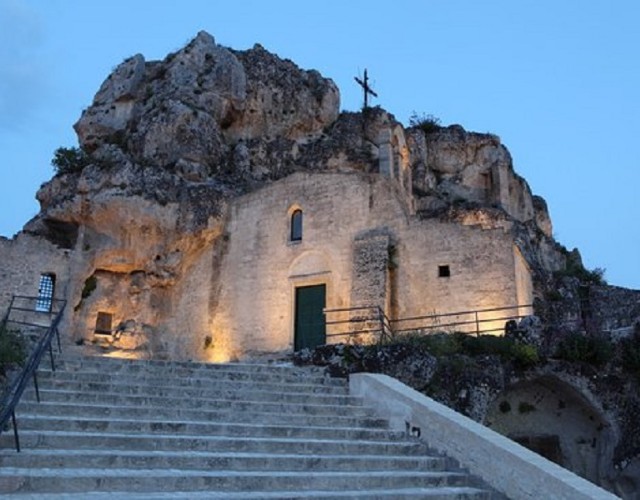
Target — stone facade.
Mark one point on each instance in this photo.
(362, 242)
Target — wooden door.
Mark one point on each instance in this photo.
(310, 329)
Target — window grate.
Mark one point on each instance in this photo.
(44, 301)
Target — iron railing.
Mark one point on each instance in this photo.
(20, 313)
(365, 323)
(479, 321)
(358, 322)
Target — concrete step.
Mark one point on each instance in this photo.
(233, 371)
(436, 493)
(118, 399)
(136, 459)
(284, 393)
(119, 480)
(47, 378)
(109, 428)
(191, 442)
(173, 413)
(206, 428)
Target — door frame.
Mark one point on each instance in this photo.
(295, 309)
(322, 278)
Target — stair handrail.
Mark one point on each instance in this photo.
(13, 393)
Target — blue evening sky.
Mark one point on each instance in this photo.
(558, 81)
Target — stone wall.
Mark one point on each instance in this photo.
(24, 259)
(352, 224)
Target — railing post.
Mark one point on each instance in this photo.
(35, 385)
(53, 365)
(477, 324)
(381, 320)
(15, 430)
(58, 339)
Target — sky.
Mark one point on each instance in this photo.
(557, 81)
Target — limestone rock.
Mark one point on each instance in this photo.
(543, 220)
(472, 167)
(282, 100)
(194, 105)
(113, 105)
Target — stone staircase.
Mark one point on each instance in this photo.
(109, 428)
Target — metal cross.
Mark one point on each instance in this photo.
(364, 83)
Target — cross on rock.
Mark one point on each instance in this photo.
(364, 83)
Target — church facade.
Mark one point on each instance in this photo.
(341, 241)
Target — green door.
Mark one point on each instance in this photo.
(309, 317)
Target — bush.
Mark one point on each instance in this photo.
(427, 123)
(525, 356)
(580, 348)
(436, 344)
(447, 344)
(575, 269)
(69, 160)
(12, 349)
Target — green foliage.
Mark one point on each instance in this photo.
(90, 285)
(553, 296)
(12, 349)
(525, 355)
(522, 355)
(487, 345)
(593, 277)
(69, 160)
(581, 348)
(575, 269)
(447, 344)
(427, 123)
(437, 344)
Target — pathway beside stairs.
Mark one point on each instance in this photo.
(110, 428)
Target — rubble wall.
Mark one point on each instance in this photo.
(24, 259)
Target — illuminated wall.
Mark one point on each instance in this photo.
(262, 267)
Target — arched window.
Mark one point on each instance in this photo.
(296, 225)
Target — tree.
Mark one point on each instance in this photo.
(69, 160)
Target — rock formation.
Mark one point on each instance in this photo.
(168, 145)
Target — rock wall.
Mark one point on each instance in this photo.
(452, 165)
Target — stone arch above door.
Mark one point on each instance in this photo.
(309, 264)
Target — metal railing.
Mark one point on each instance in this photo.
(365, 323)
(20, 313)
(479, 321)
(358, 323)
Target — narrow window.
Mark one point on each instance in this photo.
(296, 225)
(45, 292)
(103, 323)
(444, 272)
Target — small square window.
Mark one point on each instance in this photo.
(444, 272)
(104, 322)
